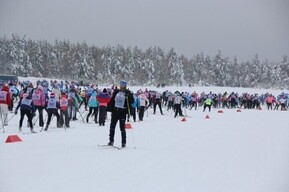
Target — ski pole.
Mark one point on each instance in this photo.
(36, 120)
(80, 115)
(3, 125)
(185, 111)
(62, 113)
(11, 117)
(146, 108)
(128, 109)
(133, 139)
(1, 116)
(64, 119)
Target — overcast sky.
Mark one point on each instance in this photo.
(239, 28)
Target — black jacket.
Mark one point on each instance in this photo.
(128, 101)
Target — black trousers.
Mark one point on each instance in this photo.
(178, 110)
(64, 120)
(205, 106)
(40, 117)
(118, 115)
(50, 113)
(133, 113)
(141, 112)
(160, 106)
(102, 115)
(95, 113)
(29, 115)
(72, 110)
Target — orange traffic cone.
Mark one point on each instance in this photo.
(127, 126)
(238, 110)
(184, 119)
(12, 139)
(207, 117)
(220, 111)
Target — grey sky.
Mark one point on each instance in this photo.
(239, 28)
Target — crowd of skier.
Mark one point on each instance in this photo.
(65, 99)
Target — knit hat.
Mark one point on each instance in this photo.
(122, 83)
(40, 87)
(5, 88)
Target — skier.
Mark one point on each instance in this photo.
(27, 108)
(39, 100)
(143, 102)
(63, 103)
(93, 106)
(157, 100)
(177, 104)
(72, 104)
(5, 103)
(103, 98)
(119, 105)
(52, 107)
(269, 101)
(134, 107)
(208, 103)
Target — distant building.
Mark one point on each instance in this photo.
(8, 78)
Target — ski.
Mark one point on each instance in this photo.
(111, 146)
(26, 133)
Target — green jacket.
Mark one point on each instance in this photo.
(208, 101)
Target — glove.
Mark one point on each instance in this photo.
(15, 112)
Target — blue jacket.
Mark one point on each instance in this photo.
(26, 104)
(136, 101)
(92, 102)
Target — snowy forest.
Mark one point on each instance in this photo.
(153, 66)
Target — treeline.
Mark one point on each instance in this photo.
(153, 66)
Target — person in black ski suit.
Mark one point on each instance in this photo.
(27, 108)
(157, 100)
(119, 106)
(52, 106)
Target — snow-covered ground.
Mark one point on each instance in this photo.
(245, 151)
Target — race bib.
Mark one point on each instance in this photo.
(3, 95)
(26, 102)
(92, 99)
(51, 104)
(63, 103)
(120, 100)
(71, 95)
(36, 97)
(177, 100)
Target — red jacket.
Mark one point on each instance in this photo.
(63, 102)
(5, 97)
(103, 99)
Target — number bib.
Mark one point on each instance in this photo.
(158, 96)
(36, 97)
(26, 102)
(51, 104)
(119, 100)
(3, 95)
(29, 89)
(71, 95)
(63, 102)
(177, 100)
